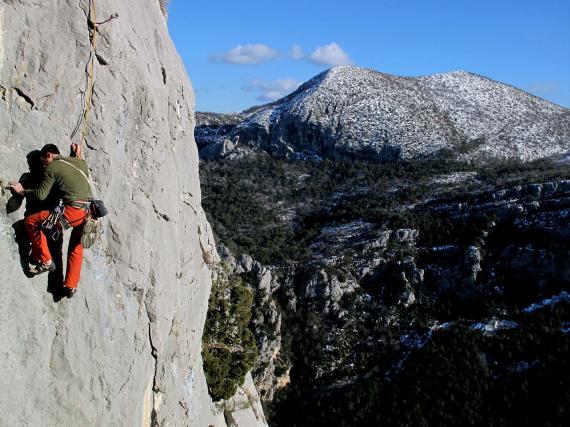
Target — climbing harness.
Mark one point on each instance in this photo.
(55, 222)
(87, 94)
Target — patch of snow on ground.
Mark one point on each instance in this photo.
(442, 248)
(494, 325)
(524, 365)
(437, 326)
(415, 341)
(454, 178)
(563, 296)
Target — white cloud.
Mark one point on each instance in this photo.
(246, 54)
(330, 54)
(297, 52)
(272, 90)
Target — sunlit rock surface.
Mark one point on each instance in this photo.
(126, 349)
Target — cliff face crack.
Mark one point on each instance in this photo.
(191, 207)
(25, 97)
(154, 354)
(186, 199)
(155, 389)
(128, 378)
(101, 60)
(160, 214)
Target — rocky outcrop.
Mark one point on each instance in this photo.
(126, 349)
(266, 321)
(218, 119)
(359, 113)
(368, 288)
(244, 408)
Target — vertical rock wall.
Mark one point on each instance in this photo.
(126, 349)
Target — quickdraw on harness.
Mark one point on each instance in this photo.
(56, 222)
(52, 224)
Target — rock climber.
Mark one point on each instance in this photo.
(70, 173)
(29, 180)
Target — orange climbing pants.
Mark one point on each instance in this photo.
(40, 251)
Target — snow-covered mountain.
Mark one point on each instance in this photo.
(356, 112)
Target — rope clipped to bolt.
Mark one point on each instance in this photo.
(87, 95)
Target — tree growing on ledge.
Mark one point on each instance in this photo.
(228, 346)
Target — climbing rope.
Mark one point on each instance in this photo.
(87, 95)
(90, 69)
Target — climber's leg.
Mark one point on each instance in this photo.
(33, 225)
(75, 217)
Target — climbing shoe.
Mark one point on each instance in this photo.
(42, 267)
(69, 292)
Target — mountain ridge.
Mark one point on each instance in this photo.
(356, 112)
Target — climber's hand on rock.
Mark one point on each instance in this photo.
(75, 150)
(16, 187)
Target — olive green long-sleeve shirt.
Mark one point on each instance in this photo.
(75, 186)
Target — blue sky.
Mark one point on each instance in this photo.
(244, 53)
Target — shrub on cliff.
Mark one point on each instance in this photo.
(228, 349)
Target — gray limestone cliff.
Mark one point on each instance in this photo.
(126, 350)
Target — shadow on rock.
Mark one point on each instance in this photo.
(55, 278)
